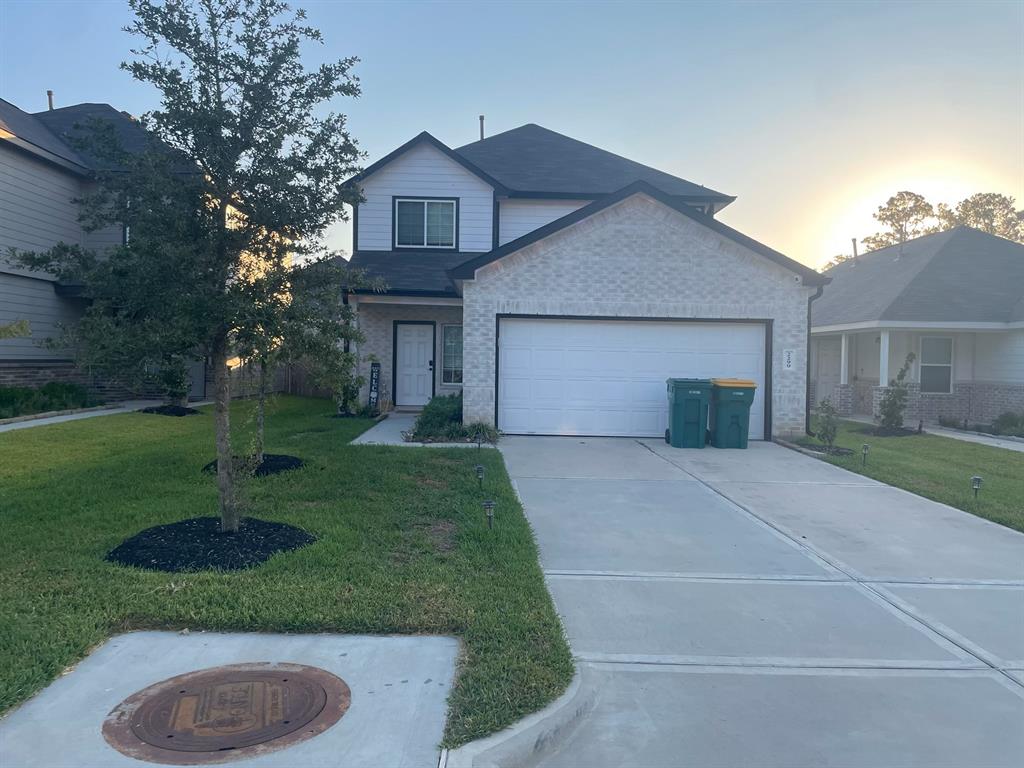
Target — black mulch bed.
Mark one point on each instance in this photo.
(170, 410)
(272, 464)
(197, 544)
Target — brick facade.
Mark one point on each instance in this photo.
(638, 259)
(35, 374)
(978, 402)
(377, 322)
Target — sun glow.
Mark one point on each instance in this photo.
(850, 212)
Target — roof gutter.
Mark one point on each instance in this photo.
(807, 363)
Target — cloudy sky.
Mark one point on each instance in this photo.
(810, 113)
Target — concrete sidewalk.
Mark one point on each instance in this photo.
(389, 431)
(763, 608)
(126, 406)
(399, 688)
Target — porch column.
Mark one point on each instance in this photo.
(844, 361)
(883, 359)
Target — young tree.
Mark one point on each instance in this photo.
(827, 423)
(894, 399)
(988, 211)
(238, 102)
(905, 215)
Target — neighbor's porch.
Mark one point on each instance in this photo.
(853, 369)
(417, 341)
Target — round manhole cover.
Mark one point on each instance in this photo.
(226, 713)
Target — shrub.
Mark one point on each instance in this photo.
(441, 421)
(827, 423)
(55, 396)
(894, 401)
(1009, 423)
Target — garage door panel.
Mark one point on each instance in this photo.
(583, 377)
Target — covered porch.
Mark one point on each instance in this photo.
(417, 344)
(946, 377)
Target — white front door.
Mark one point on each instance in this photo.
(829, 361)
(414, 363)
(598, 377)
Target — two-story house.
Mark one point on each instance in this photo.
(559, 285)
(42, 174)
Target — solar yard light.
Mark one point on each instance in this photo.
(976, 484)
(864, 454)
(489, 509)
(478, 438)
(480, 474)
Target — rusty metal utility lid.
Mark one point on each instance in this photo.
(227, 713)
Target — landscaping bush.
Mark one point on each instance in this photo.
(894, 401)
(827, 424)
(1009, 423)
(441, 421)
(55, 396)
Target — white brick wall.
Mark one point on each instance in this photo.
(638, 259)
(377, 322)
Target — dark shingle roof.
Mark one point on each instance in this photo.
(533, 159)
(52, 133)
(411, 272)
(30, 130)
(962, 275)
(70, 123)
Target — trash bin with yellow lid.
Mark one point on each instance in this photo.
(729, 414)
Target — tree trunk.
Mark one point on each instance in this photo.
(222, 417)
(261, 408)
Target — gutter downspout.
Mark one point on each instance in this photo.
(807, 362)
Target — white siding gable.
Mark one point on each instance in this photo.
(425, 171)
(520, 217)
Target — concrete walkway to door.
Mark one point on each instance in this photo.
(762, 608)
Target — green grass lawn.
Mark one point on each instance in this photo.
(940, 468)
(403, 548)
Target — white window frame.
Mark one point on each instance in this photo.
(921, 364)
(452, 201)
(443, 366)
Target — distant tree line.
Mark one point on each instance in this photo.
(907, 215)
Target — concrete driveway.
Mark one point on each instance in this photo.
(763, 608)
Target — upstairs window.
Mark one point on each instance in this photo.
(425, 223)
(937, 364)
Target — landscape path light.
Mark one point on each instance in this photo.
(864, 454)
(976, 484)
(489, 509)
(480, 474)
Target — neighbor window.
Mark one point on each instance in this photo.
(424, 223)
(451, 354)
(937, 364)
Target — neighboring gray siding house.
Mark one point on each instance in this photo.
(41, 176)
(558, 285)
(955, 299)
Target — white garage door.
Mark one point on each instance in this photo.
(607, 377)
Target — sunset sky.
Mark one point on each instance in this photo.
(811, 113)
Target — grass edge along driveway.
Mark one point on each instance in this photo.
(938, 468)
(403, 548)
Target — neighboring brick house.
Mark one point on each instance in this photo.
(955, 299)
(559, 285)
(41, 177)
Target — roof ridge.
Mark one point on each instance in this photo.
(587, 144)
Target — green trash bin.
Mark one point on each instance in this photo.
(730, 412)
(687, 412)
